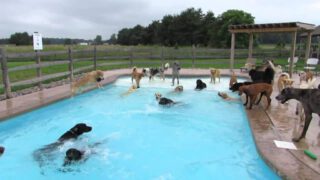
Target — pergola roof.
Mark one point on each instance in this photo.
(316, 32)
(271, 27)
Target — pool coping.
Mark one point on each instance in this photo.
(284, 162)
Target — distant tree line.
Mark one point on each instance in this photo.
(190, 27)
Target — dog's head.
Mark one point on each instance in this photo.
(178, 89)
(81, 128)
(199, 82)
(223, 95)
(242, 89)
(73, 154)
(235, 87)
(285, 95)
(99, 75)
(1, 150)
(146, 71)
(158, 96)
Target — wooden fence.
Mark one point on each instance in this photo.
(124, 57)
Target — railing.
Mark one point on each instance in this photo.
(125, 57)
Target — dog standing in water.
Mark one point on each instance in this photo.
(175, 72)
(137, 76)
(215, 73)
(89, 78)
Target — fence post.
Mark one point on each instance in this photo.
(5, 75)
(39, 73)
(70, 64)
(193, 55)
(162, 56)
(95, 57)
(131, 57)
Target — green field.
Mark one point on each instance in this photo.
(107, 50)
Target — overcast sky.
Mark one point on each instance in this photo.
(88, 18)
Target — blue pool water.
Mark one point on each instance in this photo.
(203, 137)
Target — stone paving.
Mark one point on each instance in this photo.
(276, 123)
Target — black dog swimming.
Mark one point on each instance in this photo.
(73, 155)
(310, 100)
(200, 85)
(163, 100)
(44, 154)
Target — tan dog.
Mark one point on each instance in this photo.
(87, 79)
(215, 73)
(306, 76)
(253, 90)
(137, 76)
(225, 96)
(284, 81)
(233, 79)
(132, 89)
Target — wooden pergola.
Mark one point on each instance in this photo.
(291, 27)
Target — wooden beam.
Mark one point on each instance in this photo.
(250, 45)
(293, 49)
(307, 54)
(5, 75)
(263, 30)
(233, 39)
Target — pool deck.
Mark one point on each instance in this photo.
(276, 123)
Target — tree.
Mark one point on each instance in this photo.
(20, 39)
(113, 39)
(67, 41)
(232, 17)
(98, 40)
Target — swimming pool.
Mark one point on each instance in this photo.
(202, 137)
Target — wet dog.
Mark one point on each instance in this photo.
(137, 76)
(178, 89)
(72, 155)
(215, 73)
(200, 85)
(151, 72)
(89, 78)
(310, 100)
(233, 80)
(163, 100)
(74, 132)
(45, 154)
(284, 81)
(253, 90)
(1, 150)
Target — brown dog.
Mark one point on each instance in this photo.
(215, 73)
(233, 80)
(284, 81)
(88, 78)
(137, 76)
(254, 90)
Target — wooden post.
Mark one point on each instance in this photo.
(193, 55)
(70, 64)
(293, 49)
(131, 57)
(5, 75)
(95, 57)
(308, 45)
(39, 73)
(233, 38)
(250, 45)
(162, 57)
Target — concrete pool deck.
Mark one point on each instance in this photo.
(276, 123)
